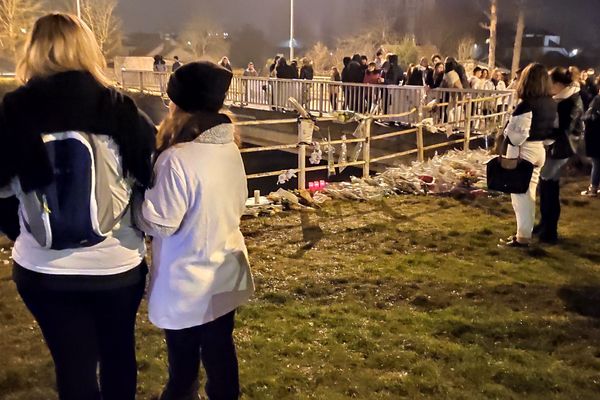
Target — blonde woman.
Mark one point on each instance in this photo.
(73, 150)
(200, 272)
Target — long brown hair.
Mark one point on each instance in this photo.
(534, 82)
(182, 127)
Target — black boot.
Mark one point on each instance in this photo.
(545, 208)
(549, 232)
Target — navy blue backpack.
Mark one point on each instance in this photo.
(65, 214)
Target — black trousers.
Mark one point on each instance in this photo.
(87, 329)
(211, 343)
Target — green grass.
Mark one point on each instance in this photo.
(408, 298)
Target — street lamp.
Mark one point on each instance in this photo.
(291, 30)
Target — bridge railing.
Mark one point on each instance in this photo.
(324, 97)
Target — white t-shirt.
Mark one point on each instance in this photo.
(201, 272)
(122, 250)
(474, 82)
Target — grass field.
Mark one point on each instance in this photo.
(408, 298)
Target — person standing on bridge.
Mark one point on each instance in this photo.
(225, 63)
(249, 86)
(201, 273)
(334, 89)
(307, 72)
(392, 77)
(176, 64)
(355, 74)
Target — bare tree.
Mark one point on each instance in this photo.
(465, 48)
(516, 61)
(100, 16)
(16, 18)
(492, 27)
(321, 57)
(382, 28)
(204, 37)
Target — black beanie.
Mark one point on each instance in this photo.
(199, 86)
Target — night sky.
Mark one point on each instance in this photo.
(578, 21)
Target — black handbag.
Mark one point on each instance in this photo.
(509, 175)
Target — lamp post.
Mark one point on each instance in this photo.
(291, 30)
(79, 9)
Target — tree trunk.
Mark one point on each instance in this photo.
(493, 33)
(516, 61)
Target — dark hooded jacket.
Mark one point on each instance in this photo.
(394, 73)
(592, 129)
(354, 72)
(570, 123)
(307, 72)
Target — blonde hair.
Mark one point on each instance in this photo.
(58, 43)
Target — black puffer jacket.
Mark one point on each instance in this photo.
(543, 110)
(592, 129)
(570, 123)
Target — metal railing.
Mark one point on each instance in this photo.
(324, 97)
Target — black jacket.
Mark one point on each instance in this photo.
(543, 110)
(70, 101)
(592, 129)
(417, 77)
(430, 77)
(393, 74)
(353, 73)
(588, 93)
(570, 111)
(307, 73)
(286, 72)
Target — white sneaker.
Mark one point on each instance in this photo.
(590, 192)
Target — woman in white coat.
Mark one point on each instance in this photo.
(200, 272)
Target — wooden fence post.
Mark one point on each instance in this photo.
(468, 120)
(420, 143)
(141, 81)
(302, 167)
(367, 149)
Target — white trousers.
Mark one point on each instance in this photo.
(524, 204)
